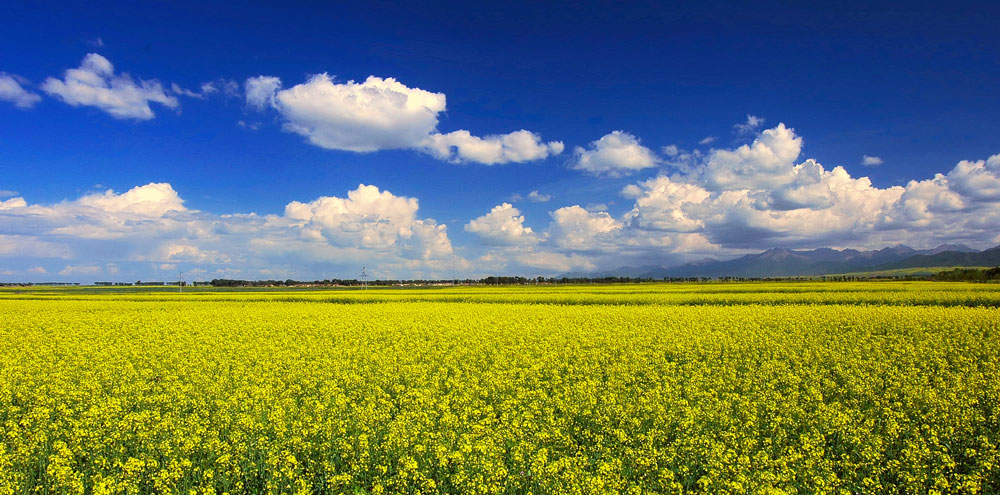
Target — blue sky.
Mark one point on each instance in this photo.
(140, 139)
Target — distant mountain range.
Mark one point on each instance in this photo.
(778, 262)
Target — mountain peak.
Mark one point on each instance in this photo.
(960, 248)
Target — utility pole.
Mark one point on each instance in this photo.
(364, 278)
(180, 281)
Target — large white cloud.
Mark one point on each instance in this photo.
(765, 163)
(152, 200)
(756, 196)
(374, 115)
(95, 84)
(614, 155)
(575, 228)
(117, 235)
(11, 90)
(371, 219)
(502, 226)
(381, 114)
(979, 180)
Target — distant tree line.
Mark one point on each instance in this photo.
(973, 275)
(956, 275)
(969, 275)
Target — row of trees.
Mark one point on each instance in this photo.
(969, 275)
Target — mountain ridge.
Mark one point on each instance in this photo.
(784, 262)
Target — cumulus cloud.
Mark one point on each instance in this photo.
(373, 115)
(753, 197)
(150, 226)
(871, 161)
(765, 163)
(977, 180)
(11, 90)
(371, 219)
(12, 203)
(759, 196)
(150, 200)
(95, 84)
(502, 226)
(576, 228)
(756, 196)
(518, 146)
(614, 155)
(381, 114)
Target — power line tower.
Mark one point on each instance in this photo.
(180, 281)
(364, 278)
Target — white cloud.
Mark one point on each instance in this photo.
(149, 226)
(74, 270)
(533, 196)
(978, 180)
(765, 163)
(614, 155)
(12, 203)
(260, 91)
(205, 90)
(502, 226)
(756, 196)
(150, 200)
(371, 219)
(537, 197)
(6, 193)
(752, 124)
(382, 114)
(11, 90)
(518, 146)
(787, 201)
(187, 252)
(575, 228)
(38, 269)
(871, 161)
(662, 204)
(707, 140)
(374, 115)
(94, 83)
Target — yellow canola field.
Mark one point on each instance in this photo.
(230, 393)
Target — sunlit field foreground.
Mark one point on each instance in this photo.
(675, 388)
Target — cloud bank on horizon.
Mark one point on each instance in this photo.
(755, 196)
(717, 202)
